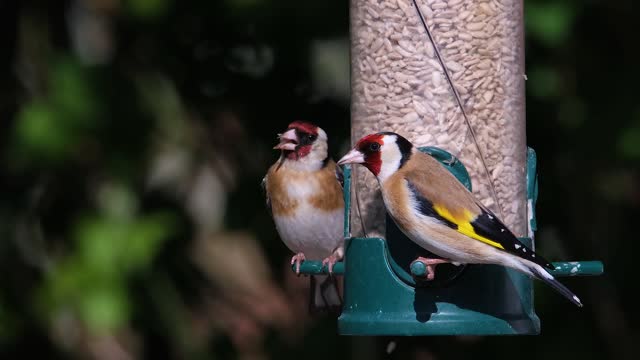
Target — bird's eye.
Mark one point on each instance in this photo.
(306, 139)
(374, 146)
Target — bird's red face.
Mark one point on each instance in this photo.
(383, 153)
(297, 142)
(366, 152)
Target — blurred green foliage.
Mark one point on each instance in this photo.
(544, 82)
(147, 9)
(629, 140)
(110, 247)
(550, 21)
(50, 128)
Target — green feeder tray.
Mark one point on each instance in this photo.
(383, 297)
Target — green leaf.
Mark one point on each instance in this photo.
(39, 132)
(550, 23)
(105, 307)
(543, 82)
(99, 243)
(72, 94)
(147, 9)
(113, 246)
(629, 142)
(145, 239)
(51, 128)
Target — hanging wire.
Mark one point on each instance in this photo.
(460, 105)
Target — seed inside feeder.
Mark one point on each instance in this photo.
(398, 84)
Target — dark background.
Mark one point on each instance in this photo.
(135, 134)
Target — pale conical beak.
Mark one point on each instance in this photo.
(353, 157)
(288, 141)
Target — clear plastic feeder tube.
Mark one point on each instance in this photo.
(399, 84)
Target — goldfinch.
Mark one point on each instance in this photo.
(433, 209)
(304, 193)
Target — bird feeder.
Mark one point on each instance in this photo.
(384, 296)
(450, 74)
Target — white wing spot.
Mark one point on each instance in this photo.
(490, 217)
(524, 250)
(533, 255)
(501, 230)
(517, 246)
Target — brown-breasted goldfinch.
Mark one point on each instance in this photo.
(304, 193)
(437, 212)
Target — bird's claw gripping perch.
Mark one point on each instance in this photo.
(297, 259)
(430, 264)
(329, 262)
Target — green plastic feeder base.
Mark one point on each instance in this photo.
(380, 303)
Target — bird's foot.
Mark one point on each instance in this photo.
(330, 261)
(298, 259)
(430, 264)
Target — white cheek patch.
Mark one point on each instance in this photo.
(390, 156)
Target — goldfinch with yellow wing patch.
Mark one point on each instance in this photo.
(433, 209)
(304, 193)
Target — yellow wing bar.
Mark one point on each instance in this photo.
(464, 225)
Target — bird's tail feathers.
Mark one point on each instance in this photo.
(543, 275)
(325, 295)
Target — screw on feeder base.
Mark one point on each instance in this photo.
(418, 269)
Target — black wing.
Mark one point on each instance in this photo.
(489, 226)
(425, 207)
